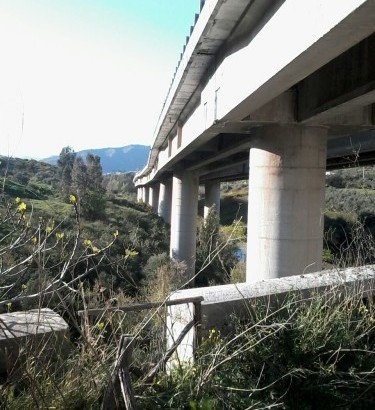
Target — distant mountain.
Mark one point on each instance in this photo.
(123, 159)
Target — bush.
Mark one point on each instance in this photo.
(348, 241)
(162, 277)
(315, 353)
(216, 246)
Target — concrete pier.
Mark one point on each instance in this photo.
(286, 202)
(154, 197)
(150, 195)
(145, 194)
(212, 197)
(164, 200)
(139, 194)
(184, 219)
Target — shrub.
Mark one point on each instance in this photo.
(162, 277)
(216, 246)
(306, 354)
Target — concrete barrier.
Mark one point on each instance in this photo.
(220, 303)
(39, 332)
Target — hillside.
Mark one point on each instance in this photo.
(349, 214)
(349, 217)
(36, 209)
(129, 158)
(122, 259)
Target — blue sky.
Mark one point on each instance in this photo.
(86, 73)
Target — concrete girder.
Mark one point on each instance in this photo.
(347, 77)
(320, 43)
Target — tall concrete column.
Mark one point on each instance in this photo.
(139, 194)
(286, 202)
(150, 195)
(211, 197)
(184, 219)
(153, 194)
(165, 199)
(145, 194)
(154, 197)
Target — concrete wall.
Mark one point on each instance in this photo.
(42, 331)
(221, 302)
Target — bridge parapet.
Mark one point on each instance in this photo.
(221, 303)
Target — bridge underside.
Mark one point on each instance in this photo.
(313, 114)
(339, 96)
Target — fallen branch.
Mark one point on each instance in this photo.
(120, 382)
(169, 353)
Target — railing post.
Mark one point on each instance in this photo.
(197, 323)
(120, 383)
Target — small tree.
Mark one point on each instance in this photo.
(94, 199)
(79, 177)
(215, 250)
(39, 259)
(64, 169)
(86, 181)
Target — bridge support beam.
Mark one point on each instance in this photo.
(184, 219)
(139, 194)
(145, 195)
(164, 200)
(212, 197)
(154, 197)
(150, 195)
(286, 202)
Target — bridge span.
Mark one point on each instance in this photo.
(276, 91)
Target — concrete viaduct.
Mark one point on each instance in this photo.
(273, 91)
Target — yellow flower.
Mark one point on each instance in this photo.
(115, 234)
(33, 240)
(72, 199)
(212, 334)
(129, 253)
(48, 229)
(95, 249)
(59, 236)
(87, 243)
(17, 200)
(100, 326)
(24, 287)
(21, 207)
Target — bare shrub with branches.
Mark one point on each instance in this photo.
(305, 353)
(38, 259)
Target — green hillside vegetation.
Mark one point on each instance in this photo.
(349, 221)
(48, 212)
(349, 216)
(68, 246)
